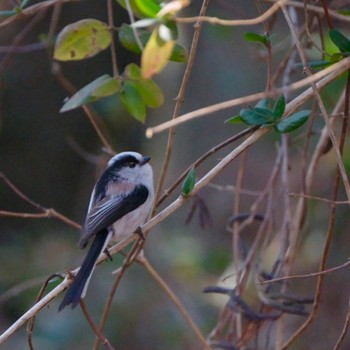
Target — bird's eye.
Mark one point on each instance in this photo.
(132, 165)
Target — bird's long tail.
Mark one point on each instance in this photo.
(78, 288)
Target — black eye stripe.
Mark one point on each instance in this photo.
(123, 162)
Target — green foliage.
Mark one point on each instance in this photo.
(142, 8)
(81, 40)
(340, 40)
(151, 95)
(135, 92)
(189, 183)
(156, 54)
(134, 88)
(265, 116)
(133, 102)
(293, 122)
(257, 38)
(279, 107)
(127, 39)
(101, 87)
(16, 10)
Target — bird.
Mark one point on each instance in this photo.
(120, 203)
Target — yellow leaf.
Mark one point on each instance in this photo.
(82, 39)
(156, 54)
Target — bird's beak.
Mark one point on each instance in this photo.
(144, 160)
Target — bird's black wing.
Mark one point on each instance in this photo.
(110, 209)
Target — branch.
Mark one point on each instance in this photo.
(235, 22)
(31, 11)
(327, 75)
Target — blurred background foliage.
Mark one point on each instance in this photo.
(41, 153)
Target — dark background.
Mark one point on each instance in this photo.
(39, 153)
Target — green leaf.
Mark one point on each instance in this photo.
(234, 120)
(149, 8)
(257, 116)
(293, 122)
(132, 101)
(127, 39)
(340, 40)
(317, 64)
(253, 37)
(156, 55)
(344, 12)
(264, 103)
(81, 40)
(336, 57)
(151, 94)
(189, 183)
(101, 87)
(279, 107)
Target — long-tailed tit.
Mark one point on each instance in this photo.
(120, 202)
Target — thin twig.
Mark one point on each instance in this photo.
(179, 102)
(113, 48)
(132, 20)
(341, 146)
(234, 22)
(318, 9)
(31, 11)
(340, 173)
(201, 159)
(325, 200)
(127, 261)
(104, 341)
(146, 264)
(46, 212)
(307, 275)
(87, 109)
(31, 322)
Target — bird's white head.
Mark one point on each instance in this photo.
(132, 167)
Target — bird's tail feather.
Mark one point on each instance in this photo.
(78, 287)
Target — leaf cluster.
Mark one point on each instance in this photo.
(157, 46)
(264, 115)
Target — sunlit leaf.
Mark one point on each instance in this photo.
(82, 39)
(155, 55)
(189, 183)
(257, 38)
(340, 40)
(234, 120)
(149, 8)
(133, 102)
(133, 6)
(127, 39)
(279, 107)
(293, 122)
(101, 87)
(336, 57)
(151, 94)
